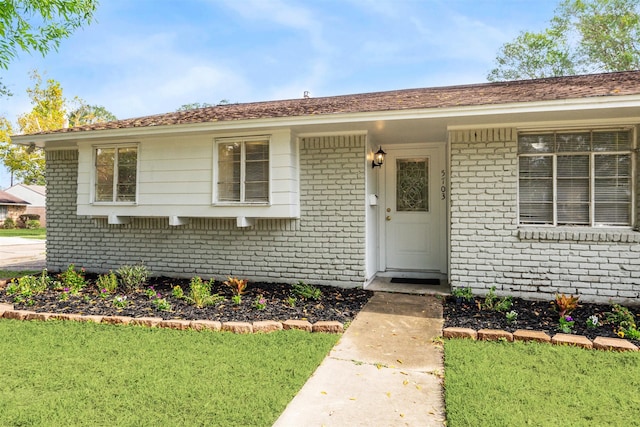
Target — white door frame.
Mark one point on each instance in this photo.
(444, 217)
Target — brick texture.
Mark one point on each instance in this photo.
(488, 248)
(325, 246)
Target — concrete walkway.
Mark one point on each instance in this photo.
(386, 370)
(18, 253)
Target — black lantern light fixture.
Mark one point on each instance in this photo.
(378, 158)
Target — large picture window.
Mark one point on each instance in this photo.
(576, 178)
(243, 171)
(116, 174)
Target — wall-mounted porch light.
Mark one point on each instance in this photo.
(378, 158)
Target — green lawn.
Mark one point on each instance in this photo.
(77, 374)
(38, 233)
(531, 384)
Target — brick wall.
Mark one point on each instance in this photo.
(325, 246)
(489, 249)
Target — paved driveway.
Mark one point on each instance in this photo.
(18, 253)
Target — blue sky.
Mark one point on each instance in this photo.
(145, 57)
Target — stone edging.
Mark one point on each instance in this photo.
(600, 343)
(7, 312)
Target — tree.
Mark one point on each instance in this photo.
(85, 114)
(584, 36)
(196, 105)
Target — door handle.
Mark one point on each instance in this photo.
(388, 218)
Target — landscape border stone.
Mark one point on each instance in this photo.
(599, 343)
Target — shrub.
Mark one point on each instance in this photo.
(108, 282)
(132, 277)
(237, 286)
(32, 224)
(72, 279)
(9, 224)
(306, 291)
(25, 287)
(200, 293)
(565, 304)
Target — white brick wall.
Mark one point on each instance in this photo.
(489, 249)
(325, 246)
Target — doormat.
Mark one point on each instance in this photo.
(409, 281)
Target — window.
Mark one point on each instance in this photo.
(116, 174)
(243, 171)
(4, 212)
(575, 178)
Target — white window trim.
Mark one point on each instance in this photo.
(92, 192)
(242, 140)
(633, 154)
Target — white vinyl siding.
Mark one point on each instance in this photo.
(576, 178)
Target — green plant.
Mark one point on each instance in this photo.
(132, 277)
(260, 302)
(564, 304)
(237, 286)
(593, 322)
(9, 224)
(104, 293)
(32, 224)
(291, 301)
(151, 292)
(236, 299)
(27, 286)
(511, 316)
(303, 290)
(492, 302)
(72, 279)
(565, 324)
(120, 301)
(463, 294)
(161, 304)
(108, 282)
(624, 320)
(177, 292)
(200, 293)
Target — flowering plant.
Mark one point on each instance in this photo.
(511, 316)
(593, 321)
(566, 324)
(120, 301)
(260, 303)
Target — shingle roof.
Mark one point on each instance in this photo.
(549, 89)
(8, 199)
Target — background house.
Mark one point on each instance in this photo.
(36, 196)
(528, 186)
(11, 207)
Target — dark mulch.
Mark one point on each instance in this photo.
(534, 315)
(335, 303)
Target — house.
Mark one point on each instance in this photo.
(11, 207)
(36, 195)
(529, 186)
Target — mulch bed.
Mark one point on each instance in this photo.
(337, 304)
(533, 315)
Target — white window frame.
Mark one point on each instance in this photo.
(592, 154)
(114, 200)
(242, 141)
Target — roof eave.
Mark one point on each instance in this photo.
(573, 104)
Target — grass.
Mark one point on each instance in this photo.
(9, 274)
(77, 374)
(522, 384)
(38, 233)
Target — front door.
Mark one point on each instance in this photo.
(415, 209)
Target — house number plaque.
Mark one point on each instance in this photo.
(443, 186)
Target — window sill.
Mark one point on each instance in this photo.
(581, 234)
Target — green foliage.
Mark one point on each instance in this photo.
(593, 322)
(236, 299)
(177, 292)
(32, 224)
(23, 288)
(290, 301)
(200, 294)
(584, 36)
(564, 304)
(85, 114)
(161, 304)
(9, 224)
(565, 324)
(464, 293)
(72, 279)
(260, 303)
(511, 316)
(305, 291)
(108, 282)
(624, 319)
(132, 277)
(120, 301)
(39, 26)
(492, 302)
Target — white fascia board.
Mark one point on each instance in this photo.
(602, 102)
